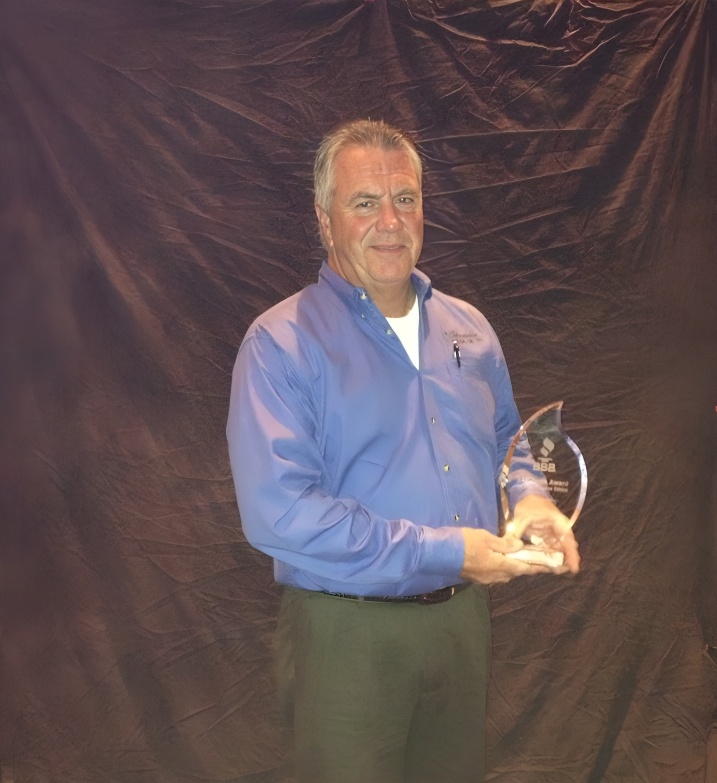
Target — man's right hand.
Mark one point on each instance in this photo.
(485, 558)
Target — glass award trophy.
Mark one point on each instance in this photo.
(543, 453)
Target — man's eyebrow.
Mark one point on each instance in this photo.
(364, 194)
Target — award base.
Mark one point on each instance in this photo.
(533, 555)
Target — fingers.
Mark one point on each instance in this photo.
(503, 545)
(570, 549)
(510, 568)
(567, 543)
(557, 534)
(485, 558)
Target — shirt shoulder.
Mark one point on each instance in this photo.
(305, 315)
(292, 338)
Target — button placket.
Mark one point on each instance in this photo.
(448, 477)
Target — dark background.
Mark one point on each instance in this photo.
(155, 191)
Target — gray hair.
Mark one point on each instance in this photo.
(358, 133)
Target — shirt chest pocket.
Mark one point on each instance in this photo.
(474, 400)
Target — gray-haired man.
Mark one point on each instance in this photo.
(365, 455)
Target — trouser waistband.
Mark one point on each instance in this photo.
(435, 597)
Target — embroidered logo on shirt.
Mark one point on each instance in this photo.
(466, 337)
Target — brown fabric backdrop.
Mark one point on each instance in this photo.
(155, 163)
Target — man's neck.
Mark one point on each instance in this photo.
(397, 305)
(393, 300)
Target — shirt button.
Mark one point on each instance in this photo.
(388, 331)
(363, 295)
(433, 421)
(362, 315)
(446, 468)
(456, 517)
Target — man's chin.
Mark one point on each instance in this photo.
(392, 277)
(389, 267)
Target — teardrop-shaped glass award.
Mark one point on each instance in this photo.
(544, 453)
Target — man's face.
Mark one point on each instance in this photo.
(374, 227)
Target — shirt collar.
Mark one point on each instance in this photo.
(350, 294)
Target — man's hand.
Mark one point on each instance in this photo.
(485, 561)
(535, 515)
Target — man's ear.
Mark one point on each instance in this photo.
(324, 226)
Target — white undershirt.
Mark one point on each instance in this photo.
(406, 329)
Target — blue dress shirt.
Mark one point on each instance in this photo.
(354, 470)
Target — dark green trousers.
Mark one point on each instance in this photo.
(384, 692)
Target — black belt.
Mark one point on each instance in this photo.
(436, 597)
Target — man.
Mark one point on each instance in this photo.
(365, 452)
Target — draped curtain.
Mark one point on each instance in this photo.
(156, 196)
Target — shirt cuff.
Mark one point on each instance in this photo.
(441, 552)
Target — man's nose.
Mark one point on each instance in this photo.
(388, 219)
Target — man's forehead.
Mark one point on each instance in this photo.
(361, 169)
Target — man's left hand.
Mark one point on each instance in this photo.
(535, 515)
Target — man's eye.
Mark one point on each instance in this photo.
(364, 204)
(405, 200)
